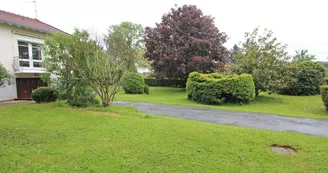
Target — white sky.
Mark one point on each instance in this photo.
(302, 24)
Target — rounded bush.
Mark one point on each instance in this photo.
(324, 95)
(83, 97)
(204, 88)
(146, 89)
(306, 79)
(133, 83)
(44, 94)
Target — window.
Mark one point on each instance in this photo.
(36, 52)
(23, 50)
(37, 64)
(29, 54)
(24, 63)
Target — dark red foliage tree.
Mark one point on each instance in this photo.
(185, 41)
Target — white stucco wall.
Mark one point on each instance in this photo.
(7, 92)
(9, 50)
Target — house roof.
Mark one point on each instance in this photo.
(26, 22)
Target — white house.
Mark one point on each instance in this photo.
(20, 53)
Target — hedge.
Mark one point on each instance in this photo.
(306, 78)
(133, 83)
(44, 94)
(165, 82)
(217, 88)
(324, 95)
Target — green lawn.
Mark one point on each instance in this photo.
(297, 106)
(47, 138)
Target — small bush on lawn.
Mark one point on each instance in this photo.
(133, 83)
(146, 89)
(306, 78)
(44, 94)
(83, 97)
(218, 89)
(324, 95)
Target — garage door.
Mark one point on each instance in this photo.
(25, 86)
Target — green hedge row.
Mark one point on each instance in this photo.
(165, 82)
(217, 89)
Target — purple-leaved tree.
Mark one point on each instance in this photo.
(185, 41)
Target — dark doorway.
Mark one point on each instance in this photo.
(25, 86)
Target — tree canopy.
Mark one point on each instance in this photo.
(80, 61)
(303, 55)
(186, 40)
(264, 57)
(125, 41)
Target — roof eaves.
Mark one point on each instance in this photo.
(24, 26)
(63, 32)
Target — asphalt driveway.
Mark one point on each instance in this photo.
(245, 119)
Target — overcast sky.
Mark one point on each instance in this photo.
(301, 24)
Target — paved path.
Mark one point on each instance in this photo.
(247, 119)
(11, 103)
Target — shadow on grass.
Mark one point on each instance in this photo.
(268, 99)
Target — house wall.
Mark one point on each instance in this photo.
(9, 49)
(7, 92)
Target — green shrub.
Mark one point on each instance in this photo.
(146, 89)
(218, 89)
(324, 95)
(306, 79)
(133, 83)
(61, 103)
(215, 76)
(83, 97)
(165, 82)
(44, 94)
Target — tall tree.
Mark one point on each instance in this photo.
(142, 62)
(303, 55)
(57, 48)
(185, 41)
(233, 52)
(264, 57)
(125, 41)
(80, 60)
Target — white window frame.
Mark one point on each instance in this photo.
(30, 52)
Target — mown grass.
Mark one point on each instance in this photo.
(46, 138)
(296, 106)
